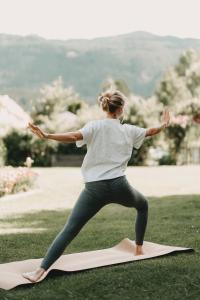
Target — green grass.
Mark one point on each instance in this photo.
(173, 220)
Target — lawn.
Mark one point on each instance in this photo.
(173, 220)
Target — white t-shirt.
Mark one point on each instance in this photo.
(109, 147)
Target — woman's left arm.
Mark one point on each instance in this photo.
(155, 130)
(165, 123)
(68, 137)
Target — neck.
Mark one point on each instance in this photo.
(112, 117)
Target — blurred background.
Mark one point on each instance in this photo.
(56, 57)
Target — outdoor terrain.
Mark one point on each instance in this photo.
(173, 220)
(58, 188)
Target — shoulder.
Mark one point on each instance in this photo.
(134, 129)
(95, 123)
(90, 126)
(127, 126)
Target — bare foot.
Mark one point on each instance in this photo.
(139, 250)
(35, 275)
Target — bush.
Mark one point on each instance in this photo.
(21, 145)
(139, 156)
(42, 150)
(166, 160)
(14, 180)
(18, 147)
(3, 153)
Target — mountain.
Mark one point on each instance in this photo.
(139, 58)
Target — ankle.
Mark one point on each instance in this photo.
(139, 250)
(41, 270)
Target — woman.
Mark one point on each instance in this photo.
(109, 148)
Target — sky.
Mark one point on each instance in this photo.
(70, 19)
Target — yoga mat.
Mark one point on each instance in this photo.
(10, 273)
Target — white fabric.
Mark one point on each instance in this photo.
(109, 147)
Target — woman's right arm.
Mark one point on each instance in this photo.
(67, 137)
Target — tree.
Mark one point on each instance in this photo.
(3, 152)
(181, 81)
(116, 84)
(54, 100)
(180, 91)
(55, 111)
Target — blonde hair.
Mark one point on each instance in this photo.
(111, 100)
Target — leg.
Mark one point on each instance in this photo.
(142, 216)
(126, 195)
(85, 208)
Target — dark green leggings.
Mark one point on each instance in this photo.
(92, 198)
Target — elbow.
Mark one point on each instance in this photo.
(77, 136)
(148, 132)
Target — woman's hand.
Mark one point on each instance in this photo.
(37, 131)
(165, 122)
(165, 117)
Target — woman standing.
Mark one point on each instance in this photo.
(109, 148)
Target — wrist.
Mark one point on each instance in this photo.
(46, 136)
(163, 126)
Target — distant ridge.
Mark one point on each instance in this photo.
(139, 58)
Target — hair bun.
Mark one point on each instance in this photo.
(111, 100)
(105, 99)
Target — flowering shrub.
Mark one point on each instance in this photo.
(181, 120)
(3, 152)
(13, 180)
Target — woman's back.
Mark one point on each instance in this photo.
(109, 147)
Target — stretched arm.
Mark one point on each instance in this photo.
(155, 130)
(165, 123)
(68, 137)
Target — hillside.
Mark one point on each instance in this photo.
(139, 58)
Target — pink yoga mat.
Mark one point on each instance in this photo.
(11, 273)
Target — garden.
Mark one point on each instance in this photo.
(173, 220)
(26, 161)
